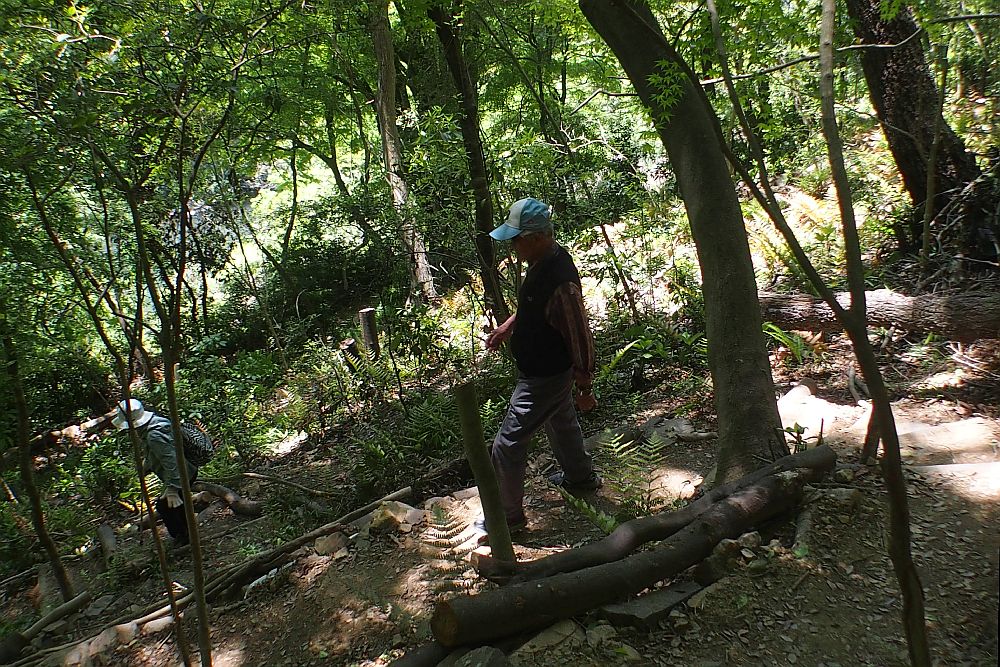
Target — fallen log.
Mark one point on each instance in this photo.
(236, 502)
(475, 620)
(629, 536)
(962, 317)
(286, 482)
(12, 644)
(201, 500)
(235, 576)
(43, 441)
(215, 586)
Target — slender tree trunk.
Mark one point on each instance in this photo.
(856, 325)
(27, 474)
(124, 373)
(392, 150)
(469, 123)
(171, 344)
(744, 391)
(620, 271)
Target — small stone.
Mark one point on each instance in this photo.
(681, 625)
(465, 494)
(720, 563)
(600, 634)
(629, 653)
(431, 503)
(697, 601)
(484, 656)
(750, 540)
(390, 515)
(563, 631)
(330, 544)
(844, 475)
(126, 632)
(157, 625)
(99, 606)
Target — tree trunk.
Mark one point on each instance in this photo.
(855, 323)
(27, 474)
(392, 148)
(907, 103)
(741, 375)
(469, 123)
(961, 317)
(471, 620)
(629, 536)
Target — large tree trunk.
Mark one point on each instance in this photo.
(392, 148)
(470, 620)
(907, 103)
(469, 122)
(629, 536)
(744, 390)
(960, 317)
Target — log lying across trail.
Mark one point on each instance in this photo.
(474, 620)
(218, 585)
(629, 536)
(12, 644)
(41, 442)
(962, 317)
(235, 501)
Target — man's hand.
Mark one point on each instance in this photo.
(172, 497)
(585, 400)
(500, 334)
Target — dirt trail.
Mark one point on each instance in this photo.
(829, 599)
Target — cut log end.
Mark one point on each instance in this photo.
(444, 624)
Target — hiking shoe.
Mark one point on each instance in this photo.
(592, 483)
(513, 525)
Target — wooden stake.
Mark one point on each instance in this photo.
(369, 332)
(482, 470)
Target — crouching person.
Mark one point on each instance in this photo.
(160, 458)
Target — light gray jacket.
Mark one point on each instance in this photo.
(160, 457)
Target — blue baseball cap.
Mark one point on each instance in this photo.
(526, 215)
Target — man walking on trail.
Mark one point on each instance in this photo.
(552, 345)
(160, 458)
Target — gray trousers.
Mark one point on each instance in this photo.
(537, 402)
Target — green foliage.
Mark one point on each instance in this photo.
(797, 440)
(668, 82)
(66, 523)
(792, 342)
(629, 468)
(232, 397)
(107, 469)
(598, 517)
(889, 9)
(664, 342)
(16, 539)
(393, 444)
